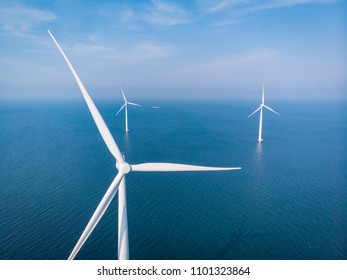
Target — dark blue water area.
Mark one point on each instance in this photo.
(289, 201)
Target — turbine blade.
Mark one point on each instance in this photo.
(125, 100)
(121, 108)
(134, 104)
(100, 123)
(99, 212)
(172, 167)
(271, 109)
(254, 112)
(263, 97)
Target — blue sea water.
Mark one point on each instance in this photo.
(289, 201)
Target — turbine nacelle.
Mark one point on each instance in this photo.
(123, 167)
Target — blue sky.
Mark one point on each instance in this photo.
(182, 49)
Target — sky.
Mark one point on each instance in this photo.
(202, 49)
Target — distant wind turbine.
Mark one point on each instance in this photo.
(119, 181)
(261, 116)
(125, 105)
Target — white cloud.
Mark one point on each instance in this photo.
(254, 56)
(150, 51)
(228, 70)
(84, 49)
(127, 14)
(165, 14)
(132, 54)
(277, 4)
(238, 59)
(96, 65)
(21, 21)
(244, 7)
(156, 13)
(230, 12)
(214, 6)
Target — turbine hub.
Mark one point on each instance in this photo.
(123, 167)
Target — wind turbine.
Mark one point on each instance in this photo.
(261, 116)
(125, 105)
(119, 181)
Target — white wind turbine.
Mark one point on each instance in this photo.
(125, 105)
(119, 181)
(261, 116)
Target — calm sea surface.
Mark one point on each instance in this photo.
(289, 201)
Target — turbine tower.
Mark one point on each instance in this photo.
(261, 116)
(125, 105)
(119, 181)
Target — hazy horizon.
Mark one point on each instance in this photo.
(72, 93)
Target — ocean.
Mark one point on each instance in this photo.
(289, 201)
